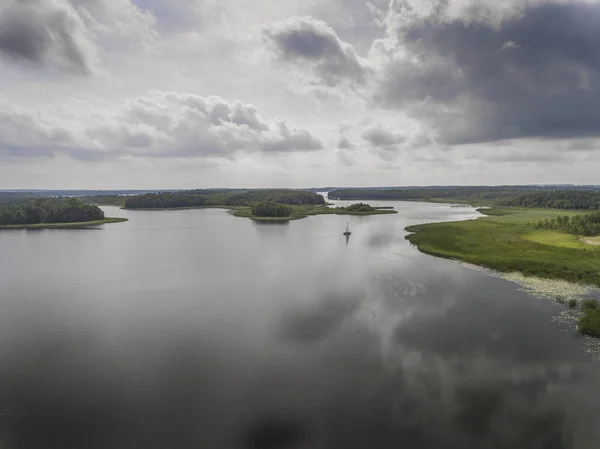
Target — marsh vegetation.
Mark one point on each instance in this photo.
(506, 241)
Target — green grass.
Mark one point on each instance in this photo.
(82, 224)
(589, 323)
(554, 238)
(590, 304)
(523, 215)
(503, 242)
(299, 212)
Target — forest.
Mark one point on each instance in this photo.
(521, 196)
(13, 198)
(49, 210)
(165, 200)
(475, 194)
(359, 207)
(270, 209)
(584, 225)
(200, 198)
(290, 197)
(557, 199)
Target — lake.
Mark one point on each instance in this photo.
(195, 329)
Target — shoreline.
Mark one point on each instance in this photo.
(74, 225)
(553, 266)
(502, 241)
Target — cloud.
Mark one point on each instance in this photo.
(509, 44)
(160, 124)
(380, 137)
(344, 158)
(24, 134)
(447, 71)
(449, 76)
(117, 26)
(43, 33)
(288, 139)
(344, 143)
(70, 35)
(306, 40)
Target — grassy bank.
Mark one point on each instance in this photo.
(504, 241)
(83, 224)
(299, 212)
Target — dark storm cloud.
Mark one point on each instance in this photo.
(310, 41)
(536, 74)
(41, 33)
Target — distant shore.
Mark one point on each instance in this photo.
(298, 212)
(82, 224)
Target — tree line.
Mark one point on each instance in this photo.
(519, 196)
(13, 198)
(473, 194)
(289, 197)
(359, 207)
(557, 199)
(50, 210)
(165, 200)
(222, 198)
(269, 209)
(587, 225)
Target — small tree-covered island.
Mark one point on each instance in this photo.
(260, 205)
(53, 213)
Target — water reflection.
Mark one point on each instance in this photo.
(196, 333)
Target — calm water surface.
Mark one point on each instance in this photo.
(195, 329)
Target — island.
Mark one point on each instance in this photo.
(275, 212)
(274, 205)
(63, 213)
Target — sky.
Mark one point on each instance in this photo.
(176, 94)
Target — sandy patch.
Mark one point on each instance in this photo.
(591, 240)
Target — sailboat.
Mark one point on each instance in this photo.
(347, 231)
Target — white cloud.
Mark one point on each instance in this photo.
(161, 124)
